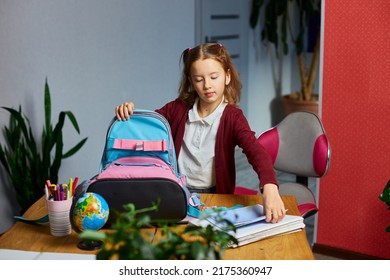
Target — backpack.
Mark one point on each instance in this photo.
(139, 166)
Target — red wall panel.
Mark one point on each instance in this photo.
(356, 116)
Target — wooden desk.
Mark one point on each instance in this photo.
(33, 237)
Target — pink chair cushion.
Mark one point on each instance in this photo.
(270, 140)
(307, 208)
(320, 155)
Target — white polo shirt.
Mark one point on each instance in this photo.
(196, 158)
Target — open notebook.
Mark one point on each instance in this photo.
(250, 224)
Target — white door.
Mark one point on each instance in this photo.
(226, 22)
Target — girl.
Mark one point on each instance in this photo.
(206, 126)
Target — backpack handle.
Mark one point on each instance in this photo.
(140, 145)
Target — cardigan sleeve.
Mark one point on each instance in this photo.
(234, 131)
(257, 156)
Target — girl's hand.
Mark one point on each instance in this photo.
(124, 111)
(273, 204)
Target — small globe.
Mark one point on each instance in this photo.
(90, 212)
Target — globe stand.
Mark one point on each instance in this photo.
(90, 245)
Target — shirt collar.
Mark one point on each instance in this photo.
(193, 115)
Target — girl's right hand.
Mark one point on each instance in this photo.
(124, 111)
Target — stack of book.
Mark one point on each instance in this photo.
(250, 224)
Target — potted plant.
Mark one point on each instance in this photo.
(127, 241)
(286, 23)
(28, 162)
(385, 197)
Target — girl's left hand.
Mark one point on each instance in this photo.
(273, 204)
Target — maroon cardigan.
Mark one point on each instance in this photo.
(233, 130)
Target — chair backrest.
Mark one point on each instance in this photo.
(298, 145)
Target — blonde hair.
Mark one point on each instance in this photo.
(209, 51)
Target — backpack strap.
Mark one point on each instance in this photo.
(194, 205)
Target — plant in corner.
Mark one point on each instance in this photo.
(27, 165)
(385, 197)
(287, 22)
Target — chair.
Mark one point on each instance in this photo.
(298, 145)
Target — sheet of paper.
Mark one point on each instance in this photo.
(8, 254)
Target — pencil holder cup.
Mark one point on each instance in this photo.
(59, 217)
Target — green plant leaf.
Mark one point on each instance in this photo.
(75, 149)
(57, 138)
(73, 120)
(198, 250)
(284, 32)
(19, 119)
(385, 195)
(3, 159)
(92, 235)
(256, 7)
(47, 104)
